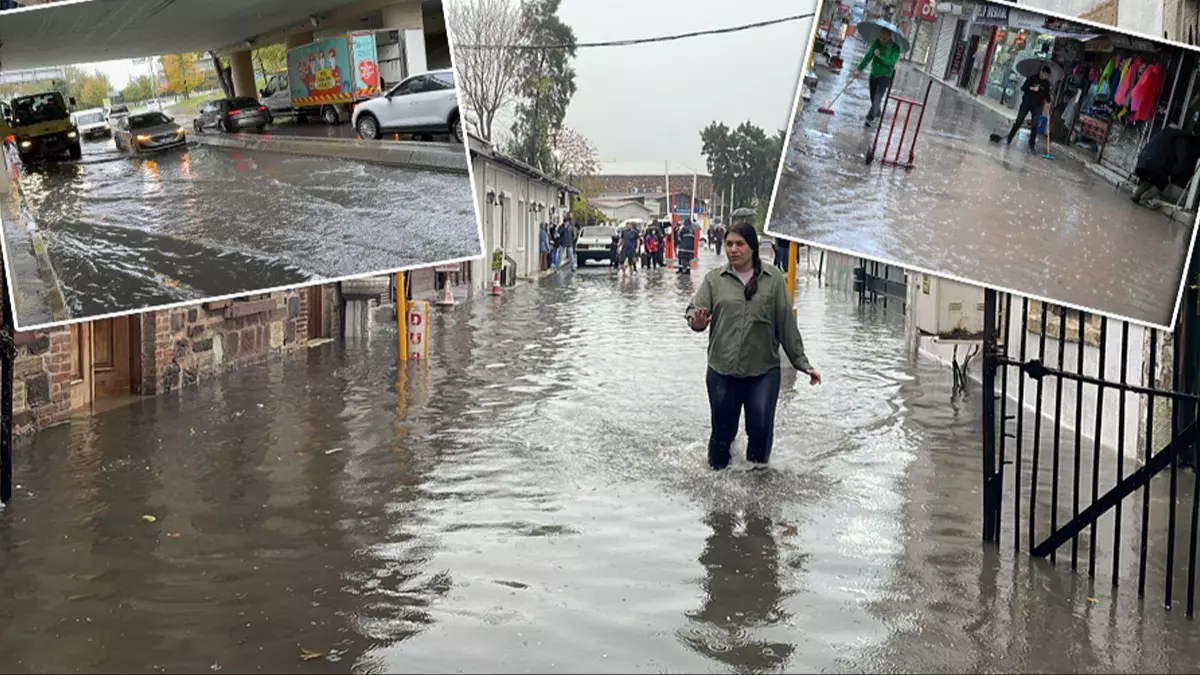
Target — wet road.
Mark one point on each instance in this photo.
(537, 500)
(984, 213)
(128, 234)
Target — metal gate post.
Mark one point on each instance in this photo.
(991, 483)
(8, 353)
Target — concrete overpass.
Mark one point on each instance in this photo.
(82, 31)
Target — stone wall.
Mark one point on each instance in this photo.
(41, 379)
(196, 343)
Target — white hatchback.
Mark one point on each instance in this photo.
(420, 104)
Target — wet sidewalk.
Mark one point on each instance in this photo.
(990, 214)
(536, 500)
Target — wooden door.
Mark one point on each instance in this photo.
(316, 316)
(82, 383)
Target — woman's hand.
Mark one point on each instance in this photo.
(700, 319)
(814, 378)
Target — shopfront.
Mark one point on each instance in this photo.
(1019, 35)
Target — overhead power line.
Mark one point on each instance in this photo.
(643, 41)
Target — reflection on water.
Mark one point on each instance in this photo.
(128, 233)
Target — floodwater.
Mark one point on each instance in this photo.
(536, 499)
(990, 214)
(127, 234)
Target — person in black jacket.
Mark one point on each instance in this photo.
(1037, 91)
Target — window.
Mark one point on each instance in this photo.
(409, 86)
(440, 81)
(77, 355)
(102, 344)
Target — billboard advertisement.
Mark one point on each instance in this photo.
(320, 72)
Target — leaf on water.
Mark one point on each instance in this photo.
(306, 655)
(1093, 600)
(149, 518)
(790, 531)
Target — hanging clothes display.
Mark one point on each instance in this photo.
(1127, 79)
(1104, 76)
(1114, 79)
(1144, 96)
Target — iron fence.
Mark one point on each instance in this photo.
(1084, 445)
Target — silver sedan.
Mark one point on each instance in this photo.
(148, 132)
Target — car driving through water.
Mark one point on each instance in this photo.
(148, 132)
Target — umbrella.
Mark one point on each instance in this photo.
(869, 30)
(1027, 67)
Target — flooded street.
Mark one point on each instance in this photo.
(990, 214)
(126, 234)
(536, 499)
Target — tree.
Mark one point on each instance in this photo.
(574, 155)
(547, 83)
(182, 74)
(224, 76)
(93, 90)
(487, 37)
(270, 59)
(139, 89)
(583, 214)
(744, 159)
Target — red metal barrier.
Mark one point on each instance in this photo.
(905, 107)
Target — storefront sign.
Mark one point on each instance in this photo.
(1018, 18)
(418, 330)
(956, 62)
(927, 10)
(991, 15)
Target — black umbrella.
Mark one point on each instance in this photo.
(1031, 66)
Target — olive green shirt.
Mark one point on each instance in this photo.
(745, 335)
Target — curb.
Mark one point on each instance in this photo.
(446, 157)
(55, 299)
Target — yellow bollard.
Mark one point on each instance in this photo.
(793, 263)
(402, 316)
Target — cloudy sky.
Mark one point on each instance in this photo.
(647, 103)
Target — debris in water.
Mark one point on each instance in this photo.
(149, 518)
(333, 451)
(1093, 600)
(306, 655)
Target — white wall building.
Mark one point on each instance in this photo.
(513, 200)
(623, 209)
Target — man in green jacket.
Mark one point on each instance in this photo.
(882, 55)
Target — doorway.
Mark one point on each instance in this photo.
(315, 298)
(106, 362)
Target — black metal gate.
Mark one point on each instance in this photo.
(8, 354)
(1077, 425)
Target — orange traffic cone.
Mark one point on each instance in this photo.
(448, 295)
(496, 284)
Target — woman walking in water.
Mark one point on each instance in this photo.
(750, 313)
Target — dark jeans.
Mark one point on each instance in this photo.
(657, 258)
(878, 87)
(685, 261)
(1024, 111)
(727, 395)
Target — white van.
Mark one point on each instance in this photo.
(91, 124)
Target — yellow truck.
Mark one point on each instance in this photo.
(41, 127)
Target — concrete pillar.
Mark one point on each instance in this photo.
(298, 39)
(242, 72)
(406, 17)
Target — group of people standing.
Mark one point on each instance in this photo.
(631, 244)
(558, 244)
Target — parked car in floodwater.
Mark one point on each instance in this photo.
(420, 104)
(595, 243)
(232, 114)
(148, 132)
